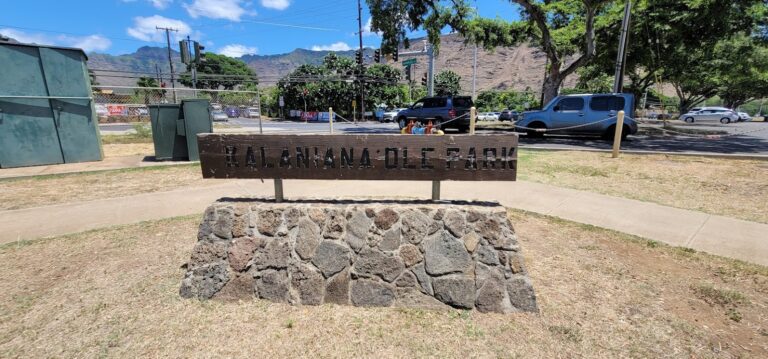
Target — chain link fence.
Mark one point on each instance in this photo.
(130, 103)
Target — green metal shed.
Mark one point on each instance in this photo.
(46, 108)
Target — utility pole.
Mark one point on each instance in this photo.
(362, 66)
(474, 75)
(430, 70)
(170, 60)
(621, 56)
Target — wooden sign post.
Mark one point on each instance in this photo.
(359, 157)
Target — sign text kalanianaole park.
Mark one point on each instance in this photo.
(360, 157)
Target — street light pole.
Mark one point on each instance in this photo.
(621, 56)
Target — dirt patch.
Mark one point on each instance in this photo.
(76, 187)
(114, 292)
(732, 188)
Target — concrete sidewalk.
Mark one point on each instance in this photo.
(713, 234)
(109, 163)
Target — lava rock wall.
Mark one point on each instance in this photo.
(461, 255)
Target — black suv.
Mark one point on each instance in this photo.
(440, 110)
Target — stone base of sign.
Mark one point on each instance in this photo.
(391, 253)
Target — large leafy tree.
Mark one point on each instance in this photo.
(447, 83)
(220, 71)
(333, 84)
(567, 31)
(677, 42)
(742, 70)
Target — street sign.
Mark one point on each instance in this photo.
(282, 102)
(365, 157)
(354, 103)
(409, 62)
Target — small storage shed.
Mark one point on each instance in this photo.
(46, 107)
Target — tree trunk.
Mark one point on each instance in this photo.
(550, 89)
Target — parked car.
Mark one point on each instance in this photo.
(218, 115)
(232, 112)
(391, 115)
(438, 110)
(488, 116)
(710, 114)
(216, 106)
(743, 116)
(509, 115)
(584, 109)
(252, 112)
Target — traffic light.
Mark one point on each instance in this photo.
(359, 57)
(184, 51)
(394, 56)
(408, 73)
(199, 54)
(424, 80)
(377, 56)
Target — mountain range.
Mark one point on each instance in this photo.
(517, 68)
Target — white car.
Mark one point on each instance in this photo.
(218, 115)
(710, 114)
(743, 116)
(252, 112)
(391, 115)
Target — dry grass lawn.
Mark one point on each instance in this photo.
(47, 190)
(732, 188)
(113, 293)
(129, 149)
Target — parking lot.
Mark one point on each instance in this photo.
(745, 138)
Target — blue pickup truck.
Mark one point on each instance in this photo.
(582, 114)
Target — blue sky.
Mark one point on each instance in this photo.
(231, 27)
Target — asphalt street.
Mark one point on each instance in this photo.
(745, 138)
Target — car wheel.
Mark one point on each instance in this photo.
(610, 133)
(725, 120)
(689, 120)
(533, 133)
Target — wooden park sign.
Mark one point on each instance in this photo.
(359, 157)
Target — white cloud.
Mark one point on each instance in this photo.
(367, 29)
(276, 4)
(218, 9)
(21, 36)
(160, 4)
(237, 50)
(87, 43)
(337, 46)
(145, 28)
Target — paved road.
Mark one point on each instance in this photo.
(746, 138)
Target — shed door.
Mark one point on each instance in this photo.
(27, 131)
(66, 75)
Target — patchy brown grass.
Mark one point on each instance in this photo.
(129, 149)
(125, 139)
(733, 188)
(53, 189)
(113, 292)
